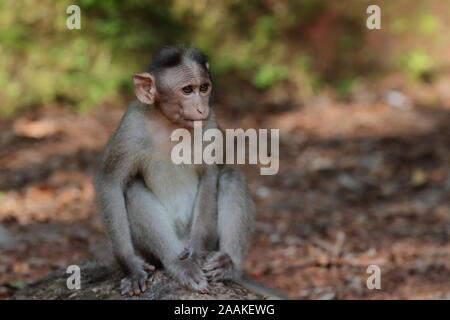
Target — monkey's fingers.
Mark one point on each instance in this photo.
(204, 291)
(143, 285)
(200, 285)
(136, 289)
(184, 254)
(214, 275)
(217, 260)
(149, 267)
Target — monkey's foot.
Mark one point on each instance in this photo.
(190, 275)
(136, 283)
(218, 266)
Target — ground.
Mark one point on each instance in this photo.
(359, 184)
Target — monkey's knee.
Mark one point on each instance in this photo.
(236, 213)
(230, 175)
(233, 190)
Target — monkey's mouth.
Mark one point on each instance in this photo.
(191, 122)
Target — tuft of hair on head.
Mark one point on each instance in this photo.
(170, 56)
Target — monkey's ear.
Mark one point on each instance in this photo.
(207, 65)
(144, 87)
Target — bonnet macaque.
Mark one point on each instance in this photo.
(194, 220)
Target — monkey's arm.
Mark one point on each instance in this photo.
(204, 227)
(112, 205)
(110, 184)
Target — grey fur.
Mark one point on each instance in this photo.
(194, 220)
(153, 209)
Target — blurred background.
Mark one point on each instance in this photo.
(364, 118)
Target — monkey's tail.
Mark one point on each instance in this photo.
(258, 287)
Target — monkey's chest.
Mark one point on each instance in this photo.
(175, 186)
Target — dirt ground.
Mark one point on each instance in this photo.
(358, 185)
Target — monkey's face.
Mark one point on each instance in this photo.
(183, 92)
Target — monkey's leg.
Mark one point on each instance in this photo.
(236, 214)
(153, 232)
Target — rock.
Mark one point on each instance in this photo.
(100, 281)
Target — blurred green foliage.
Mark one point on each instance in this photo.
(287, 48)
(418, 64)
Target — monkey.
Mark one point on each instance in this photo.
(194, 220)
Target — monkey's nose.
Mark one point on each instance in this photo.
(200, 110)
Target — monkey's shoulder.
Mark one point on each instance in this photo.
(131, 132)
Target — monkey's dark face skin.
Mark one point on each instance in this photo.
(183, 93)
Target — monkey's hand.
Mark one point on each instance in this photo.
(185, 253)
(136, 281)
(219, 266)
(197, 255)
(189, 274)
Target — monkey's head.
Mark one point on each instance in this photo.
(178, 82)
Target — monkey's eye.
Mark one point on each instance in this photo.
(204, 87)
(187, 89)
